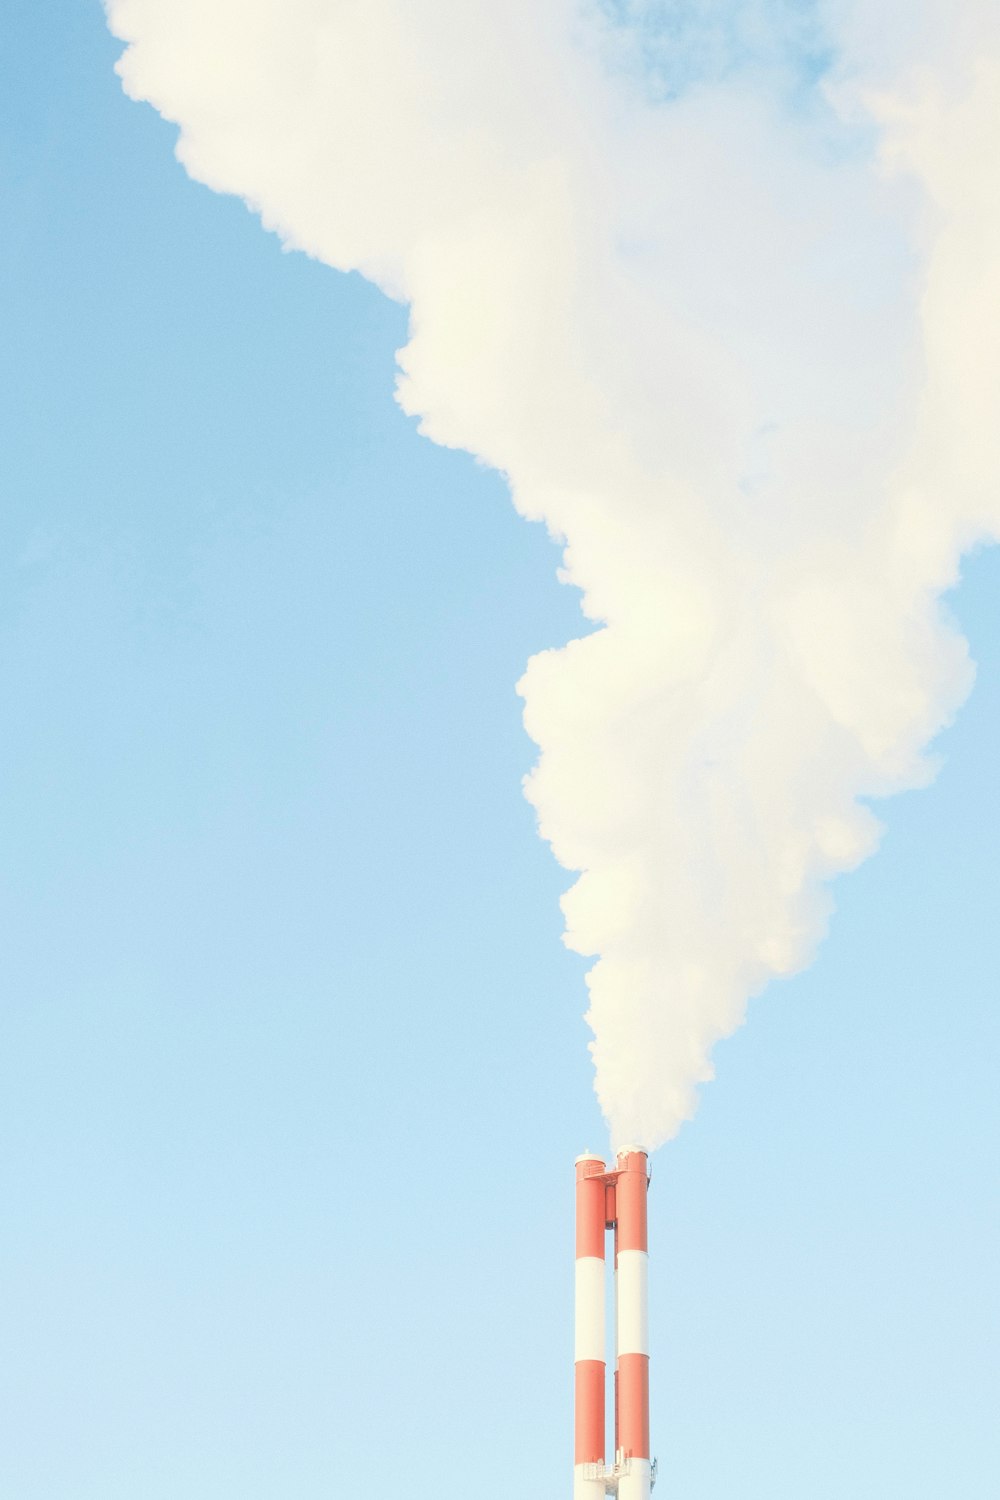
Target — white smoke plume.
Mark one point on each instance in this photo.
(717, 287)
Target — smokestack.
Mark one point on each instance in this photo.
(591, 1221)
(612, 1200)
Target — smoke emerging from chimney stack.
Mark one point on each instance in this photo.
(721, 300)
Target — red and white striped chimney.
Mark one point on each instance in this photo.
(632, 1331)
(612, 1200)
(591, 1369)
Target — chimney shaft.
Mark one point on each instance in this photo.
(632, 1331)
(591, 1368)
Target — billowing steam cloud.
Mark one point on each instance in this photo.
(717, 287)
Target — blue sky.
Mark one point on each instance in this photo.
(293, 1065)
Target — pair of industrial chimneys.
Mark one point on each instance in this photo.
(614, 1199)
